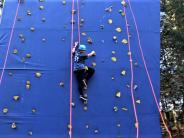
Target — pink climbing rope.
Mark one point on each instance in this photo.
(132, 75)
(147, 72)
(78, 9)
(71, 69)
(9, 43)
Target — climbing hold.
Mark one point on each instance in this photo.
(21, 36)
(13, 125)
(124, 41)
(43, 40)
(123, 3)
(87, 126)
(33, 110)
(30, 133)
(28, 55)
(118, 125)
(5, 110)
(64, 2)
(110, 21)
(114, 59)
(22, 40)
(123, 72)
(135, 87)
(38, 74)
(118, 94)
(138, 101)
(82, 20)
(124, 109)
(83, 34)
(101, 26)
(41, 7)
(115, 39)
(89, 40)
(136, 125)
(135, 64)
(128, 86)
(28, 82)
(15, 51)
(96, 131)
(61, 84)
(29, 12)
(32, 29)
(123, 14)
(28, 87)
(10, 74)
(94, 64)
(113, 52)
(85, 108)
(43, 19)
(129, 53)
(73, 104)
(16, 98)
(115, 108)
(113, 78)
(69, 126)
(108, 9)
(118, 30)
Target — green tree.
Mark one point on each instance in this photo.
(172, 61)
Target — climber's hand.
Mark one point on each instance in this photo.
(93, 53)
(76, 43)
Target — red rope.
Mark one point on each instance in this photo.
(71, 69)
(9, 43)
(132, 75)
(78, 9)
(147, 72)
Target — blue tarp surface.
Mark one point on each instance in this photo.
(43, 110)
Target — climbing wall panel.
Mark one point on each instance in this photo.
(34, 91)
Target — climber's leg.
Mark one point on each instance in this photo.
(80, 79)
(89, 73)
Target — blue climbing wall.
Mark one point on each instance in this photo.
(34, 94)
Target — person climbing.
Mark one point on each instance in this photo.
(82, 72)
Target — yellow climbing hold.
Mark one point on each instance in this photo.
(123, 72)
(16, 98)
(114, 59)
(61, 84)
(138, 101)
(136, 124)
(124, 109)
(5, 110)
(83, 34)
(118, 94)
(69, 126)
(94, 64)
(110, 21)
(38, 74)
(13, 125)
(124, 41)
(119, 30)
(113, 52)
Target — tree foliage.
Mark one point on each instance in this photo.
(172, 57)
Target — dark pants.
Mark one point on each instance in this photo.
(81, 75)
